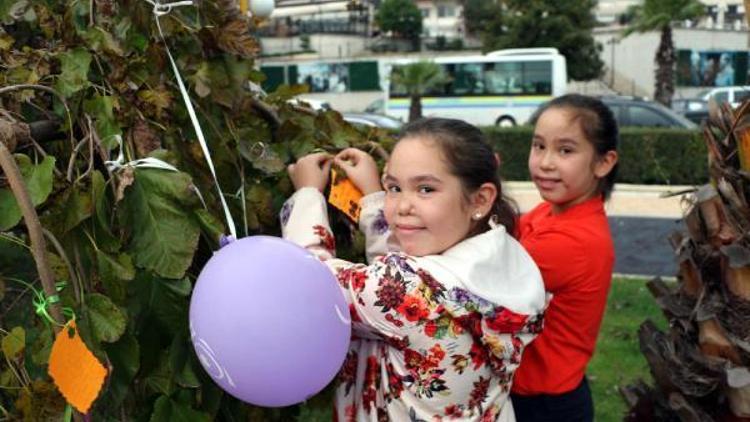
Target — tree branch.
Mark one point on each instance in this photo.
(34, 227)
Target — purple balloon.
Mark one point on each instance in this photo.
(268, 321)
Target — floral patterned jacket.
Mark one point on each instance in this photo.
(434, 338)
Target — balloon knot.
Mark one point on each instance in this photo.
(224, 240)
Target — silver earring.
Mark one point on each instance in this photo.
(477, 215)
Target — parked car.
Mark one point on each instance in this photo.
(373, 120)
(638, 112)
(694, 109)
(734, 95)
(316, 105)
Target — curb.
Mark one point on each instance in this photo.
(628, 200)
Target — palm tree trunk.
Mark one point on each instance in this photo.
(665, 62)
(415, 108)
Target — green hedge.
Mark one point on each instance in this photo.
(647, 156)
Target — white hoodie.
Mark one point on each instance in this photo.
(436, 337)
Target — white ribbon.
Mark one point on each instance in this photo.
(150, 162)
(161, 9)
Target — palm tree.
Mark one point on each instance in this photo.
(416, 79)
(659, 15)
(700, 364)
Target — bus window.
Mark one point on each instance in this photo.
(506, 78)
(537, 78)
(447, 88)
(468, 79)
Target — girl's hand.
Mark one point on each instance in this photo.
(312, 170)
(360, 168)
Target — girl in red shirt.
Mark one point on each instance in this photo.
(573, 162)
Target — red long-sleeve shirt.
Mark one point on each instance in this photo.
(575, 254)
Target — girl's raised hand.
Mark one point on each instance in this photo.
(312, 170)
(360, 168)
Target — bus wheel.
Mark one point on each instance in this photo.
(505, 121)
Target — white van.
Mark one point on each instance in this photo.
(734, 95)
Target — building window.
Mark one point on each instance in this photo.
(446, 11)
(425, 13)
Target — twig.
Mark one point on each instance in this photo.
(72, 161)
(60, 251)
(11, 88)
(269, 114)
(38, 248)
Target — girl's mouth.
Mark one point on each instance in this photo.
(546, 183)
(408, 229)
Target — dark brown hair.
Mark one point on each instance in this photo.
(471, 159)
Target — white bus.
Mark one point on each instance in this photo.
(499, 88)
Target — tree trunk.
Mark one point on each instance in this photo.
(665, 62)
(415, 108)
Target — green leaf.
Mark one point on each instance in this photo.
(340, 134)
(15, 259)
(211, 226)
(299, 134)
(164, 236)
(75, 65)
(115, 272)
(102, 41)
(38, 181)
(286, 92)
(71, 208)
(41, 346)
(14, 343)
(166, 300)
(124, 357)
(166, 409)
(108, 321)
(160, 379)
(101, 107)
(182, 362)
(102, 233)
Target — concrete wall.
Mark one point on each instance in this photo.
(629, 62)
(328, 46)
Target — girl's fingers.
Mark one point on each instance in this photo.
(343, 162)
(327, 166)
(349, 154)
(290, 168)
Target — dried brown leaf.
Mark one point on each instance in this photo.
(144, 138)
(714, 342)
(234, 37)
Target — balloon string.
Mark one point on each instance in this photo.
(159, 10)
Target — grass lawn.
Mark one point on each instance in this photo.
(618, 360)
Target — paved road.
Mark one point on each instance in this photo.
(642, 245)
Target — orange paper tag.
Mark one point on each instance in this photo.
(344, 195)
(77, 373)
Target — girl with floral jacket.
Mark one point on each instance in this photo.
(438, 328)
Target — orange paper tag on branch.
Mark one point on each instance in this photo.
(77, 373)
(344, 195)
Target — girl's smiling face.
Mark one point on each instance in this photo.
(563, 163)
(425, 204)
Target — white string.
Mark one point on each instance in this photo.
(161, 9)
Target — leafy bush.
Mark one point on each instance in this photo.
(129, 242)
(647, 156)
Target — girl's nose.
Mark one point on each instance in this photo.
(404, 206)
(547, 160)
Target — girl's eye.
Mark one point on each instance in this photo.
(393, 189)
(566, 150)
(537, 145)
(426, 189)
